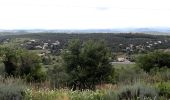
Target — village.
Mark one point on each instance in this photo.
(54, 47)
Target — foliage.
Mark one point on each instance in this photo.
(163, 74)
(113, 40)
(128, 74)
(2, 69)
(87, 64)
(137, 91)
(151, 60)
(164, 89)
(12, 89)
(47, 60)
(19, 62)
(63, 95)
(57, 76)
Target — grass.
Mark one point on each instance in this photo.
(2, 68)
(64, 94)
(122, 65)
(137, 91)
(12, 89)
(16, 89)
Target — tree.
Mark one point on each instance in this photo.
(157, 59)
(19, 62)
(57, 76)
(11, 59)
(87, 64)
(31, 67)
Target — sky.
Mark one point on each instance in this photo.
(83, 14)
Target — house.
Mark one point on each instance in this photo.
(45, 45)
(155, 43)
(32, 41)
(5, 42)
(38, 47)
(120, 44)
(148, 46)
(121, 59)
(57, 42)
(54, 43)
(159, 42)
(41, 54)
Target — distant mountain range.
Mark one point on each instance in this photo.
(156, 31)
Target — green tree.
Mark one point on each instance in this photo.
(87, 64)
(11, 60)
(57, 76)
(19, 62)
(31, 67)
(157, 59)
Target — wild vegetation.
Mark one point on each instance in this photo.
(83, 69)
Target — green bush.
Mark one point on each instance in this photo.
(2, 69)
(87, 64)
(164, 89)
(162, 73)
(128, 74)
(157, 59)
(19, 63)
(110, 95)
(57, 76)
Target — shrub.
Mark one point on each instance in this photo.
(128, 74)
(19, 63)
(110, 95)
(2, 69)
(162, 73)
(12, 89)
(87, 64)
(164, 89)
(155, 59)
(57, 76)
(137, 91)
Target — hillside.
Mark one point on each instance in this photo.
(121, 42)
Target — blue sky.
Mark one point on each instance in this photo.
(83, 14)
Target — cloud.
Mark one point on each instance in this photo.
(82, 14)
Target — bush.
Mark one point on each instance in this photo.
(164, 89)
(128, 74)
(110, 95)
(163, 73)
(47, 60)
(137, 91)
(57, 76)
(12, 89)
(19, 63)
(2, 69)
(155, 59)
(87, 64)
